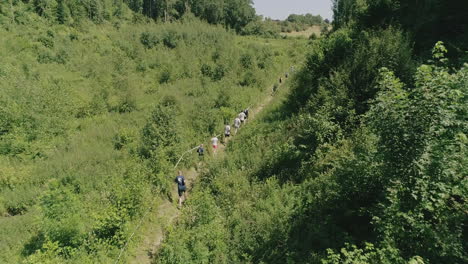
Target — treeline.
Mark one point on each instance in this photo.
(238, 15)
(234, 14)
(426, 21)
(272, 28)
(364, 163)
(302, 22)
(231, 13)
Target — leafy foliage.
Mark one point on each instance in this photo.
(428, 21)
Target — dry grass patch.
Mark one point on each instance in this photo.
(306, 33)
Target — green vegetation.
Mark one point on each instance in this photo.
(271, 28)
(234, 14)
(360, 158)
(364, 162)
(302, 22)
(96, 107)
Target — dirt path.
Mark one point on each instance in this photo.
(167, 212)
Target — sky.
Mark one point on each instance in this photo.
(280, 9)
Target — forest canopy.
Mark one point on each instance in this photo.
(234, 14)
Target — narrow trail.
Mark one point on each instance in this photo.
(165, 213)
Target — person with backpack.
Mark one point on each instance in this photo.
(246, 112)
(237, 123)
(201, 152)
(181, 187)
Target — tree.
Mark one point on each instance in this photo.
(160, 131)
(239, 13)
(422, 149)
(44, 8)
(61, 12)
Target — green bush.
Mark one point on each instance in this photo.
(160, 130)
(247, 61)
(149, 40)
(47, 41)
(110, 227)
(171, 39)
(123, 139)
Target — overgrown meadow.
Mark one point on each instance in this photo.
(92, 118)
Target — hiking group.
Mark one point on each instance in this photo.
(180, 179)
(240, 119)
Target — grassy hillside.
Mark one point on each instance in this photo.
(364, 162)
(93, 116)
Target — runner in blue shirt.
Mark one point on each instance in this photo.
(181, 188)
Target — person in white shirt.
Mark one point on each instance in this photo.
(237, 123)
(242, 116)
(214, 143)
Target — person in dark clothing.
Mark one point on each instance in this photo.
(201, 151)
(181, 188)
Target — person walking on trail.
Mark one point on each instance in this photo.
(214, 143)
(242, 116)
(181, 187)
(280, 80)
(246, 112)
(275, 88)
(237, 123)
(227, 131)
(201, 151)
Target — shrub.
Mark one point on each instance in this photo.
(63, 221)
(249, 79)
(149, 40)
(219, 72)
(206, 70)
(247, 61)
(165, 76)
(160, 130)
(47, 41)
(127, 103)
(171, 39)
(46, 56)
(110, 227)
(123, 138)
(62, 57)
(369, 254)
